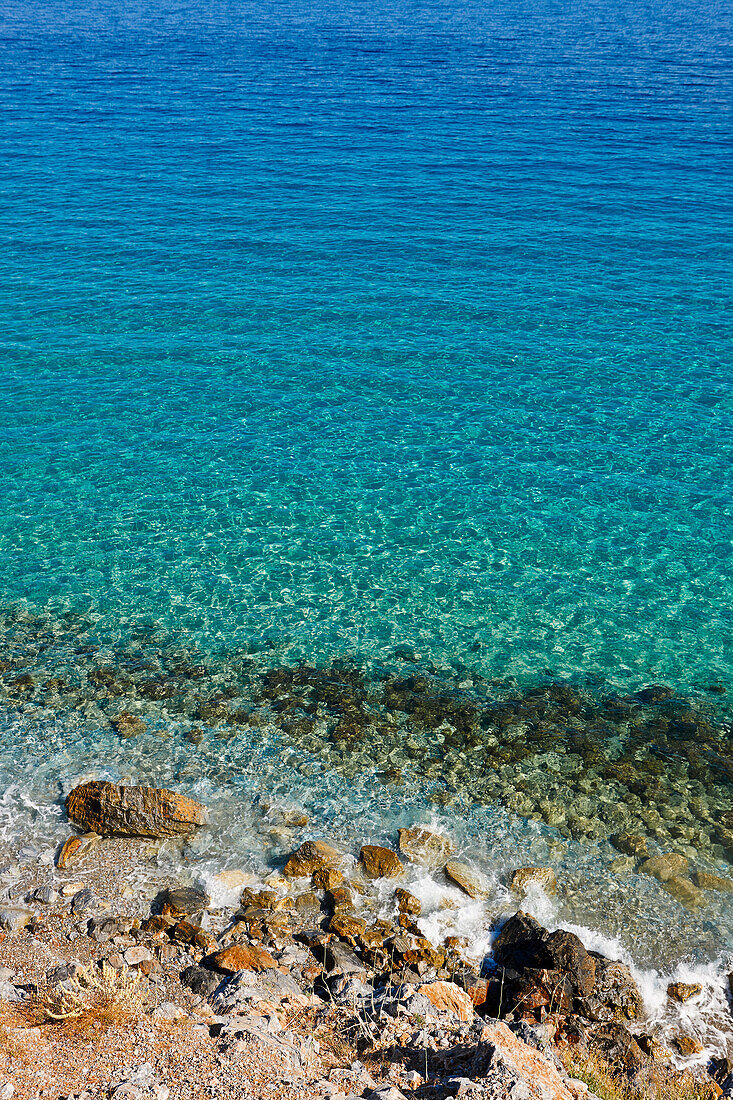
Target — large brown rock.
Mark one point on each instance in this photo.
(524, 877)
(110, 810)
(311, 856)
(666, 866)
(380, 862)
(470, 881)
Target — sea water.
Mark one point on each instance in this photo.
(389, 333)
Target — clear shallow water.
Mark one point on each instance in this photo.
(340, 329)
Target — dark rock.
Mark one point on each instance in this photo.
(85, 900)
(185, 899)
(615, 995)
(201, 981)
(521, 943)
(570, 957)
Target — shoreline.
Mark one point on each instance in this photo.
(110, 901)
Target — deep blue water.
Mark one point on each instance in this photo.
(352, 324)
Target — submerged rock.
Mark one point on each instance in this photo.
(683, 991)
(665, 867)
(127, 725)
(111, 810)
(74, 849)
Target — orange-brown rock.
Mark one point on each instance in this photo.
(327, 878)
(529, 1064)
(240, 956)
(422, 846)
(186, 932)
(470, 881)
(449, 998)
(380, 862)
(127, 725)
(74, 848)
(110, 810)
(407, 903)
(346, 927)
(311, 856)
(524, 877)
(683, 991)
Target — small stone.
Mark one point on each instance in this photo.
(422, 846)
(449, 998)
(683, 991)
(200, 981)
(524, 877)
(84, 900)
(470, 881)
(168, 1011)
(380, 862)
(136, 955)
(241, 957)
(186, 899)
(665, 867)
(7, 1091)
(70, 888)
(46, 895)
(631, 844)
(73, 849)
(346, 927)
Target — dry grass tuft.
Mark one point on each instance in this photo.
(96, 999)
(598, 1076)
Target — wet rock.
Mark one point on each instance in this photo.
(683, 991)
(685, 892)
(714, 882)
(447, 997)
(619, 1047)
(688, 1046)
(311, 856)
(111, 810)
(347, 927)
(520, 943)
(470, 881)
(185, 899)
(424, 847)
(127, 725)
(380, 862)
(74, 849)
(615, 995)
(408, 903)
(327, 878)
(307, 905)
(241, 957)
(524, 877)
(664, 867)
(631, 844)
(567, 954)
(190, 934)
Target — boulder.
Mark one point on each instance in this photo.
(407, 903)
(524, 877)
(185, 899)
(311, 856)
(111, 810)
(685, 892)
(631, 844)
(470, 881)
(615, 995)
(521, 943)
(568, 955)
(242, 957)
(422, 846)
(714, 882)
(380, 862)
(447, 997)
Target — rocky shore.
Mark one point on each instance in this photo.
(295, 986)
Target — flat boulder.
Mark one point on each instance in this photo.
(424, 847)
(470, 881)
(240, 956)
(665, 867)
(111, 810)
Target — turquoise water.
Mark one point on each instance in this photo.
(389, 332)
(362, 326)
